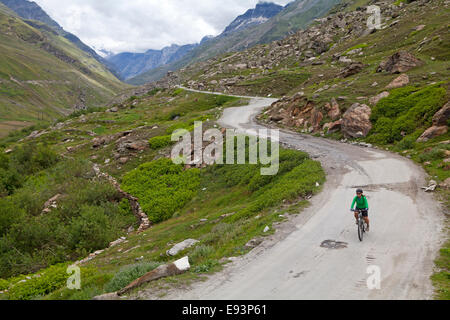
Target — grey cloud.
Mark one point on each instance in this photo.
(138, 25)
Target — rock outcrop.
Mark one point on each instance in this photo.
(181, 246)
(168, 270)
(356, 121)
(399, 82)
(440, 127)
(399, 62)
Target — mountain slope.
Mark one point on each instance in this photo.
(31, 11)
(43, 75)
(294, 16)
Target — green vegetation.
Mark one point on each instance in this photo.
(162, 187)
(441, 279)
(128, 274)
(160, 142)
(50, 79)
(404, 112)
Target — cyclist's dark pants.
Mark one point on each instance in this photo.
(365, 212)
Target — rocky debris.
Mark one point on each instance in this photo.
(50, 204)
(441, 117)
(144, 222)
(334, 112)
(356, 121)
(117, 242)
(253, 243)
(107, 296)
(445, 184)
(399, 62)
(181, 246)
(89, 258)
(432, 132)
(374, 100)
(352, 69)
(100, 141)
(168, 270)
(333, 126)
(432, 185)
(398, 82)
(439, 127)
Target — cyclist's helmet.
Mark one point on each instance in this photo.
(360, 191)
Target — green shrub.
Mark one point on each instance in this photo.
(200, 253)
(162, 187)
(160, 142)
(404, 111)
(128, 274)
(434, 154)
(91, 230)
(32, 286)
(206, 267)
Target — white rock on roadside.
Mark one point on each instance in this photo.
(181, 246)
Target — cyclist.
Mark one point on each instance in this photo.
(361, 206)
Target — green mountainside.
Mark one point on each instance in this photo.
(43, 75)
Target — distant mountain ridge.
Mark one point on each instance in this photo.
(294, 16)
(260, 14)
(29, 10)
(130, 65)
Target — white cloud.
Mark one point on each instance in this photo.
(139, 25)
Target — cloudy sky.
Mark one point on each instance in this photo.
(138, 25)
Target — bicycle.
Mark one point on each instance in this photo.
(361, 224)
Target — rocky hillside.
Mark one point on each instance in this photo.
(54, 78)
(298, 14)
(337, 65)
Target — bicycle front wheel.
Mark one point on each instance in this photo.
(360, 230)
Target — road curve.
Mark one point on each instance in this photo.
(406, 228)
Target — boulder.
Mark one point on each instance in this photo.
(441, 117)
(432, 132)
(401, 61)
(181, 246)
(398, 82)
(168, 270)
(374, 100)
(352, 69)
(356, 121)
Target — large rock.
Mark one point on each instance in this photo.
(374, 100)
(441, 117)
(356, 121)
(168, 270)
(334, 112)
(432, 132)
(181, 246)
(352, 69)
(398, 82)
(401, 61)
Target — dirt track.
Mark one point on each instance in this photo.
(404, 239)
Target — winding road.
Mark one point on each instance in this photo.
(317, 254)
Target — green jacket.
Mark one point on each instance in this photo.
(361, 203)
